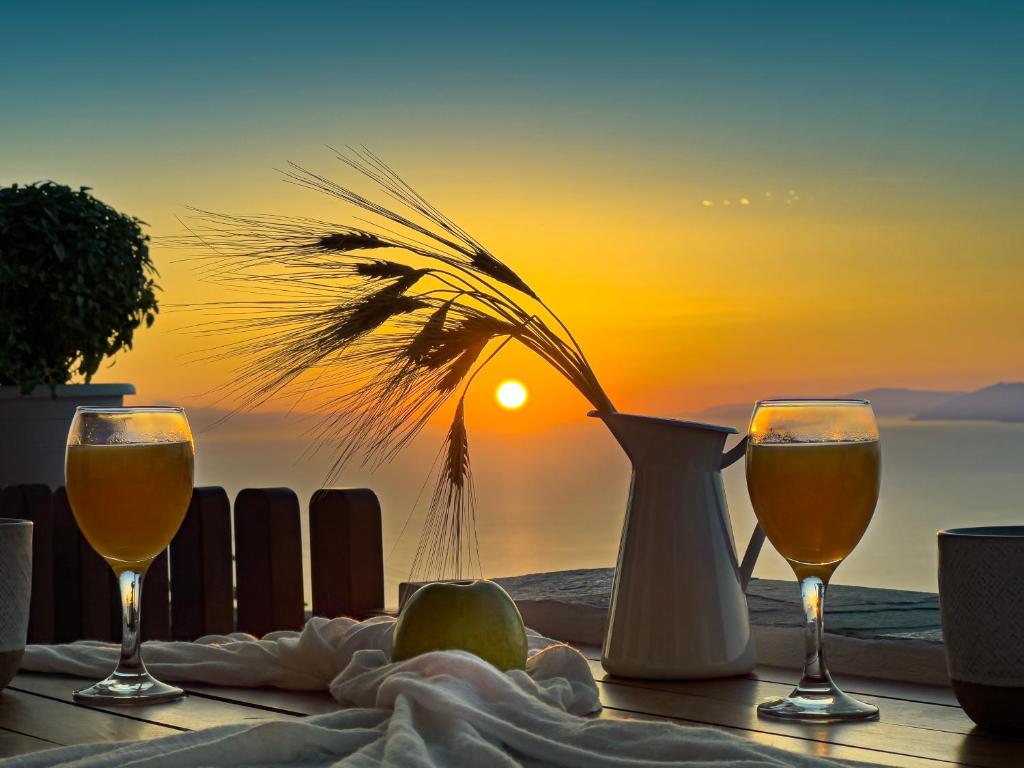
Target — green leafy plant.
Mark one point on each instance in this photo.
(76, 281)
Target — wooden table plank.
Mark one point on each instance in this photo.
(801, 746)
(190, 713)
(866, 686)
(270, 699)
(920, 721)
(870, 686)
(975, 749)
(13, 743)
(55, 721)
(749, 692)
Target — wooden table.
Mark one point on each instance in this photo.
(921, 726)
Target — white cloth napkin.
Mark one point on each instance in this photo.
(304, 661)
(446, 708)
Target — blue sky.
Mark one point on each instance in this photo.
(799, 78)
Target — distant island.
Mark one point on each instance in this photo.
(1000, 402)
(1003, 402)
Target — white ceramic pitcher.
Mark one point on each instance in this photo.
(678, 607)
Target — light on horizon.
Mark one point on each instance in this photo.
(511, 394)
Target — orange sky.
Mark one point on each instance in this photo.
(881, 165)
(679, 305)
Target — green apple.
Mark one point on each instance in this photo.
(475, 616)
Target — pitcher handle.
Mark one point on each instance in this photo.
(750, 556)
(757, 537)
(735, 453)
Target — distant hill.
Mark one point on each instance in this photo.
(1000, 402)
(886, 401)
(899, 401)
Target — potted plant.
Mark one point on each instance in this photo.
(76, 281)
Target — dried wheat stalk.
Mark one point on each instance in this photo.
(386, 319)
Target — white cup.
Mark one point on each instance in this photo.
(981, 594)
(15, 593)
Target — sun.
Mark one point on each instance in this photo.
(511, 394)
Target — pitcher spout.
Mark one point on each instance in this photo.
(654, 440)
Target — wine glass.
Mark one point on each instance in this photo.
(128, 473)
(813, 473)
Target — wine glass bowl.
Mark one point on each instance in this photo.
(128, 475)
(813, 475)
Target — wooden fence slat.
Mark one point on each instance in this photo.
(202, 600)
(100, 599)
(286, 559)
(32, 502)
(217, 562)
(75, 594)
(156, 608)
(268, 560)
(253, 569)
(100, 595)
(67, 597)
(346, 552)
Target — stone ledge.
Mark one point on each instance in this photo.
(884, 633)
(62, 391)
(860, 612)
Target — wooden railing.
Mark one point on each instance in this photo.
(191, 589)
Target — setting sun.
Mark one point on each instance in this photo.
(511, 394)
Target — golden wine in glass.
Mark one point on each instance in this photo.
(813, 474)
(128, 473)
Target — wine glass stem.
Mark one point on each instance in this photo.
(816, 676)
(131, 603)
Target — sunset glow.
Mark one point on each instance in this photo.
(511, 394)
(872, 236)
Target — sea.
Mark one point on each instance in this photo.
(554, 500)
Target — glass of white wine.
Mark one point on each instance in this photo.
(128, 473)
(813, 474)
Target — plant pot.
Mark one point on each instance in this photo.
(34, 428)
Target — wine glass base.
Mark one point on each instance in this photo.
(126, 690)
(830, 706)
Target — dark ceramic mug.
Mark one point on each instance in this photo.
(15, 592)
(981, 593)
